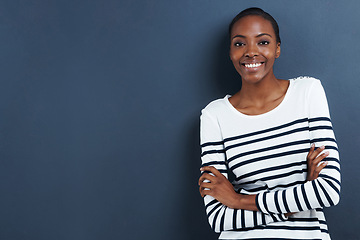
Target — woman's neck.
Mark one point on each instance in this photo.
(259, 97)
(260, 91)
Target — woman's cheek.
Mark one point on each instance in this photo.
(235, 56)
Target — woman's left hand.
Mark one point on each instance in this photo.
(313, 159)
(217, 186)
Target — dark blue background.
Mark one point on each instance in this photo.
(100, 104)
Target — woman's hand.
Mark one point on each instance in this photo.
(313, 160)
(217, 186)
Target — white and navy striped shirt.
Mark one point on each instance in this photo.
(267, 154)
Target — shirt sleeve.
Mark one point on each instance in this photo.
(220, 217)
(323, 191)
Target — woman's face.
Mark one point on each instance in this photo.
(253, 48)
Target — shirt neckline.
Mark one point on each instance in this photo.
(279, 106)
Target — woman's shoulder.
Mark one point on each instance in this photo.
(216, 106)
(305, 83)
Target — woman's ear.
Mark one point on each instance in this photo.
(278, 50)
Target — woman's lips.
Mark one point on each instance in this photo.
(252, 67)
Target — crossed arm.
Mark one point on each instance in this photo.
(228, 210)
(218, 186)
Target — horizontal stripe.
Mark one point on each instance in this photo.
(277, 128)
(332, 167)
(322, 222)
(324, 230)
(287, 185)
(269, 149)
(271, 169)
(331, 159)
(212, 152)
(287, 174)
(296, 219)
(281, 227)
(296, 238)
(262, 188)
(262, 238)
(225, 171)
(320, 128)
(318, 119)
(277, 155)
(323, 140)
(304, 228)
(266, 130)
(212, 144)
(331, 147)
(211, 163)
(267, 138)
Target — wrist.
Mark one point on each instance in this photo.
(246, 202)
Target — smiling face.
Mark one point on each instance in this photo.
(254, 48)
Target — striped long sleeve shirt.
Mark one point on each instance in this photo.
(266, 153)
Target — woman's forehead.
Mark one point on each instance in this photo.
(252, 25)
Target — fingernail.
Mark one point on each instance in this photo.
(313, 145)
(327, 153)
(201, 169)
(322, 147)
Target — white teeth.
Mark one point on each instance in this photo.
(252, 65)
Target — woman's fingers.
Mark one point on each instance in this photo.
(320, 167)
(311, 150)
(207, 179)
(314, 174)
(315, 162)
(211, 169)
(313, 153)
(206, 176)
(206, 186)
(204, 191)
(314, 159)
(320, 158)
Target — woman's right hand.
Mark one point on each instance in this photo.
(313, 159)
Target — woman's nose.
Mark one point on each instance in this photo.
(251, 51)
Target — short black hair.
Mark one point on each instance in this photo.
(257, 12)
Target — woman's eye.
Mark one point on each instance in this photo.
(238, 44)
(264, 42)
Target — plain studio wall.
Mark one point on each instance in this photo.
(100, 104)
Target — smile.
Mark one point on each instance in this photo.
(252, 65)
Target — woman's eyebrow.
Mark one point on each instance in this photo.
(263, 34)
(240, 36)
(260, 35)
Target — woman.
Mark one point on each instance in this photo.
(276, 137)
